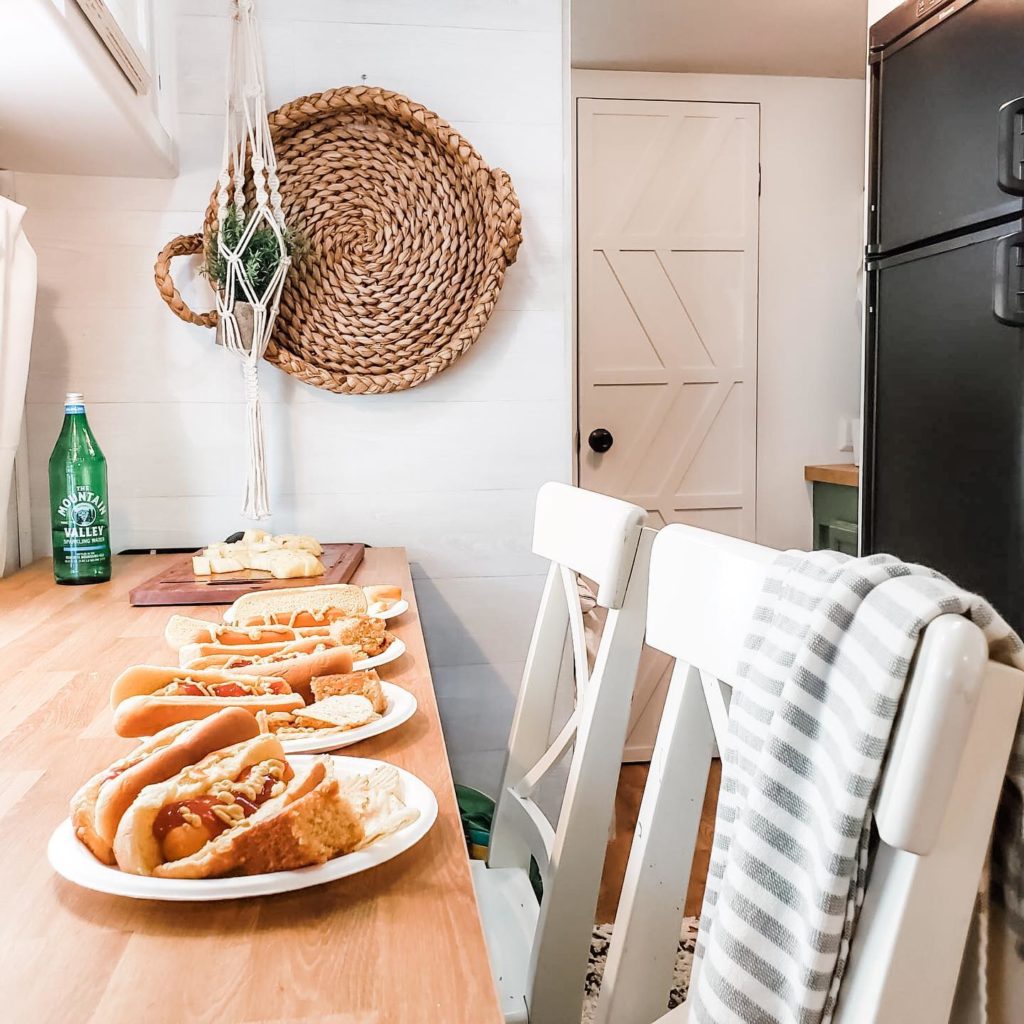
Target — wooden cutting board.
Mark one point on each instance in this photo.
(179, 585)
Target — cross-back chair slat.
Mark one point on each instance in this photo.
(531, 826)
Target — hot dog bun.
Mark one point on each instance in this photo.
(324, 603)
(182, 630)
(140, 711)
(97, 808)
(135, 846)
(296, 662)
(190, 653)
(83, 803)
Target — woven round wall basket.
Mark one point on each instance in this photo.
(407, 234)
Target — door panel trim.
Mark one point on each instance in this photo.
(723, 378)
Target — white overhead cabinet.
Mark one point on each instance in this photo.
(80, 92)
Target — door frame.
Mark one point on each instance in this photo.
(641, 85)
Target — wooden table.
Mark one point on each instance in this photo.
(401, 943)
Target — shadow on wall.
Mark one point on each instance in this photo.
(476, 698)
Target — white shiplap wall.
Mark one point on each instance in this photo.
(450, 469)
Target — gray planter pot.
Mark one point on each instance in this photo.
(244, 319)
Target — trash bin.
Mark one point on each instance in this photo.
(476, 810)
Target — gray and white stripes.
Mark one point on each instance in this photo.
(825, 665)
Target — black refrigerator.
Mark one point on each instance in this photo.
(944, 352)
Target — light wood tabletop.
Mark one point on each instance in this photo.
(399, 944)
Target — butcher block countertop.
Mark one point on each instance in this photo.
(399, 944)
(845, 473)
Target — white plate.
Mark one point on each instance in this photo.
(394, 611)
(395, 650)
(401, 707)
(68, 857)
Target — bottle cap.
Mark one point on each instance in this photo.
(74, 398)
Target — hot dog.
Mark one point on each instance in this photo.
(98, 806)
(182, 630)
(148, 698)
(297, 662)
(242, 810)
(361, 631)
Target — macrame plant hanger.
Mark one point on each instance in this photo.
(249, 166)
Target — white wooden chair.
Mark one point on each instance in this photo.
(934, 815)
(539, 953)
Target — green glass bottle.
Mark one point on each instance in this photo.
(79, 517)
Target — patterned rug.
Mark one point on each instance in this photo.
(599, 954)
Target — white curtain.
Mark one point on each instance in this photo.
(17, 311)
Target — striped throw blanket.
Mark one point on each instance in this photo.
(825, 662)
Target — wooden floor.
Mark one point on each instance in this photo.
(632, 779)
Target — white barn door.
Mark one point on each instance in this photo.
(667, 208)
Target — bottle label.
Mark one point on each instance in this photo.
(72, 408)
(82, 515)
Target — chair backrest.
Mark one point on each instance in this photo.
(604, 539)
(934, 813)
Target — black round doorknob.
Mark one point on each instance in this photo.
(600, 440)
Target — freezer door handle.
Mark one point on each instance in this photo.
(1009, 280)
(1011, 147)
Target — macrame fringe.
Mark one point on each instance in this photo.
(257, 502)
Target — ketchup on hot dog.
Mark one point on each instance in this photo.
(170, 818)
(190, 689)
(228, 690)
(235, 690)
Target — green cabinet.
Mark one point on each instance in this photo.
(835, 515)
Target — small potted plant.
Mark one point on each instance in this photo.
(260, 256)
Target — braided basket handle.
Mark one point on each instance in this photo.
(509, 215)
(183, 245)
